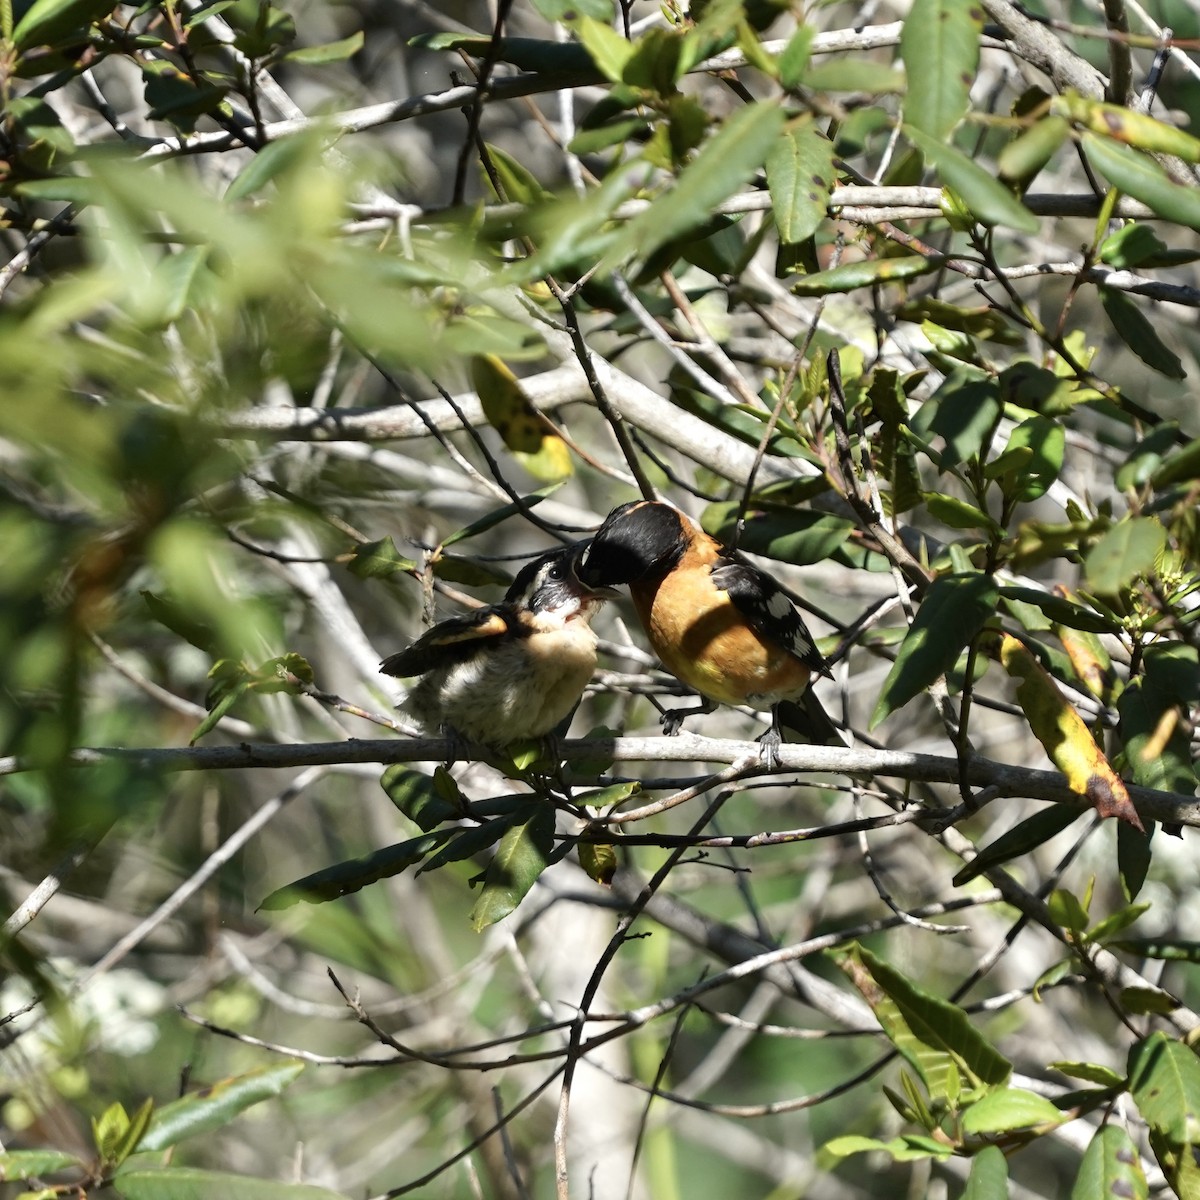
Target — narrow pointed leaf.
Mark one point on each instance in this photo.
(1137, 331)
(940, 49)
(1031, 833)
(1164, 1077)
(954, 610)
(217, 1105)
(725, 162)
(800, 176)
(1004, 1109)
(356, 873)
(192, 1183)
(989, 1176)
(1111, 1167)
(1139, 176)
(985, 197)
(523, 854)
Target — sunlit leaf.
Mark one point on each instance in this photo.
(523, 854)
(953, 611)
(216, 1105)
(940, 49)
(800, 176)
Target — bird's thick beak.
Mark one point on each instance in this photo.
(588, 577)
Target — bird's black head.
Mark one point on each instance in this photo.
(639, 539)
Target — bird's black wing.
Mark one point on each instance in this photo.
(768, 610)
(452, 641)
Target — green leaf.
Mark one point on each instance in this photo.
(125, 1144)
(216, 1105)
(109, 1128)
(1164, 1077)
(989, 1176)
(800, 176)
(1146, 457)
(599, 861)
(985, 197)
(520, 185)
(1156, 735)
(603, 797)
(378, 560)
(853, 75)
(1103, 1076)
(1139, 176)
(908, 1148)
(863, 274)
(279, 157)
(177, 97)
(1124, 553)
(725, 162)
(1068, 910)
(1131, 246)
(49, 20)
(179, 620)
(940, 49)
(793, 62)
(192, 1183)
(339, 51)
(1104, 931)
(1046, 441)
(1111, 1167)
(954, 610)
(523, 854)
(29, 1164)
(608, 50)
(1057, 609)
(1005, 1108)
(959, 514)
(937, 1023)
(563, 10)
(529, 54)
(1021, 160)
(467, 843)
(1022, 838)
(1137, 331)
(228, 691)
(964, 412)
(1159, 948)
(1133, 857)
(473, 572)
(497, 515)
(1182, 466)
(356, 873)
(798, 536)
(417, 796)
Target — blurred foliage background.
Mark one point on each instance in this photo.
(317, 320)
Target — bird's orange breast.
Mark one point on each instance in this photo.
(703, 639)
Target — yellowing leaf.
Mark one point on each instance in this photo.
(599, 860)
(524, 430)
(1064, 736)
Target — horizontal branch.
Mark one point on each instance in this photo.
(899, 764)
(638, 404)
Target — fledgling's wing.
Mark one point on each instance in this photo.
(452, 641)
(768, 610)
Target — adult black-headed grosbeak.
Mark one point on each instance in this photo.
(511, 670)
(718, 624)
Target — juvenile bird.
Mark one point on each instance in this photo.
(511, 670)
(718, 624)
